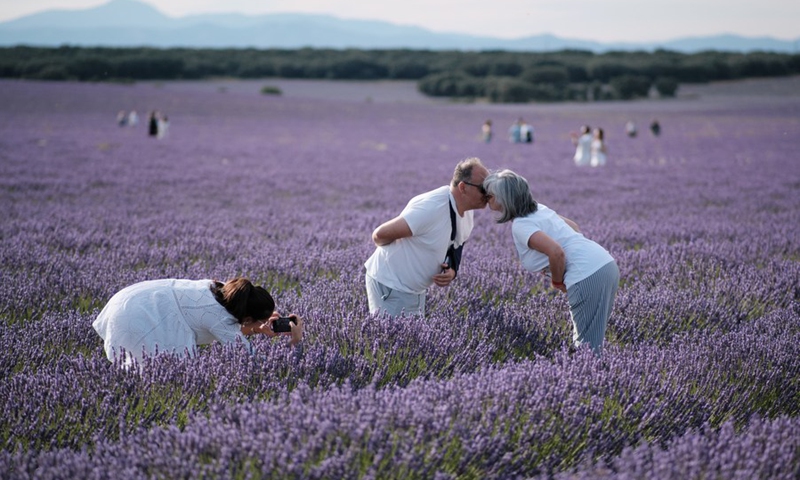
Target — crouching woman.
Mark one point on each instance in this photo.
(175, 316)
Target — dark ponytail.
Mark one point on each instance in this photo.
(242, 299)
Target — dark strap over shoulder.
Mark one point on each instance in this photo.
(453, 254)
(452, 221)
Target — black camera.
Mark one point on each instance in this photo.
(282, 324)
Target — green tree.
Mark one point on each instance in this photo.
(509, 90)
(627, 87)
(556, 76)
(666, 86)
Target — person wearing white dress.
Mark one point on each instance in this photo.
(598, 148)
(583, 143)
(162, 126)
(175, 316)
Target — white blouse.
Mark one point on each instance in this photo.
(164, 316)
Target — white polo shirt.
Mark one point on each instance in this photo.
(583, 256)
(409, 264)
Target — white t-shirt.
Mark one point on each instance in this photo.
(583, 256)
(409, 264)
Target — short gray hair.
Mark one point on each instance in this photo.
(513, 194)
(463, 171)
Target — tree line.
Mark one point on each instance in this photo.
(499, 76)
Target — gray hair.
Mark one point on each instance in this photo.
(463, 171)
(513, 194)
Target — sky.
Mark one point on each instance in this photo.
(598, 20)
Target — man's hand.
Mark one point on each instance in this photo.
(443, 279)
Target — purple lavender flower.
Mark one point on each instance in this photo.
(699, 375)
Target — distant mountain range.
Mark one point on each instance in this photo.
(130, 23)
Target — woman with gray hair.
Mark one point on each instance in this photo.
(553, 245)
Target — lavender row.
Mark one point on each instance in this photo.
(519, 419)
(765, 449)
(75, 397)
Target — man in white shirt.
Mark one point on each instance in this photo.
(422, 245)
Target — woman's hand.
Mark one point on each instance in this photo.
(253, 327)
(297, 329)
(265, 328)
(558, 285)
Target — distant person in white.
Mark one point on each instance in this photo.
(583, 143)
(133, 118)
(630, 129)
(598, 148)
(415, 250)
(163, 125)
(175, 316)
(553, 245)
(515, 132)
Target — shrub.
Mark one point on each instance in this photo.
(666, 86)
(271, 90)
(509, 90)
(451, 84)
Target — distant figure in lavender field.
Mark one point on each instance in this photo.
(486, 130)
(525, 131)
(553, 245)
(122, 117)
(598, 148)
(133, 118)
(583, 146)
(655, 128)
(515, 132)
(152, 124)
(630, 129)
(174, 316)
(162, 124)
(422, 246)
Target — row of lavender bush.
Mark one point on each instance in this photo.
(699, 378)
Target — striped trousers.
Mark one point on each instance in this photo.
(590, 304)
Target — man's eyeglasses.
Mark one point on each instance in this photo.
(479, 187)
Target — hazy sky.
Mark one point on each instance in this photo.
(600, 20)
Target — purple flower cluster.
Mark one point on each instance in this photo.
(699, 377)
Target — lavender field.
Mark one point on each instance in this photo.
(700, 375)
